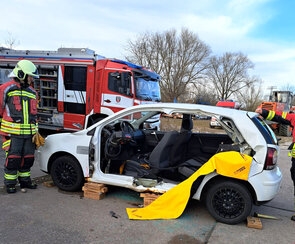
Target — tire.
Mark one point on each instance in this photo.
(285, 130)
(229, 202)
(67, 174)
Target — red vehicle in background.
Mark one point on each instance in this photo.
(78, 87)
(225, 104)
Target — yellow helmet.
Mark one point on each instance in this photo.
(25, 67)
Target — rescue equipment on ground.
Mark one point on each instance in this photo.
(264, 216)
(172, 204)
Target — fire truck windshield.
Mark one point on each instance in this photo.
(146, 87)
(280, 97)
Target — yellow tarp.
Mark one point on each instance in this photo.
(172, 204)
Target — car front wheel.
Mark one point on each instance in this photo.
(229, 202)
(67, 174)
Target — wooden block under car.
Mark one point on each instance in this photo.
(254, 222)
(95, 187)
(94, 195)
(94, 190)
(148, 198)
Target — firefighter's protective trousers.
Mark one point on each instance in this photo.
(19, 160)
(292, 169)
(293, 172)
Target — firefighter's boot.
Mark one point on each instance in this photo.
(10, 189)
(28, 184)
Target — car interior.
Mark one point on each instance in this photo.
(171, 153)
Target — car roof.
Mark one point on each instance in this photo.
(192, 108)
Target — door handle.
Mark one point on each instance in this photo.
(107, 101)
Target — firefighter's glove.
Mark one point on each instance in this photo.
(38, 140)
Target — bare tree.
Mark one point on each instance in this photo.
(203, 93)
(179, 60)
(11, 41)
(229, 74)
(288, 87)
(252, 96)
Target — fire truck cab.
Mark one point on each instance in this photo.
(78, 87)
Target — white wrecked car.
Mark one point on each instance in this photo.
(121, 150)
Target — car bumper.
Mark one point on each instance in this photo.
(266, 184)
(41, 160)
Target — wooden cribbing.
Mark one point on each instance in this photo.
(148, 198)
(95, 191)
(254, 222)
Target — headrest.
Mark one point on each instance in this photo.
(187, 123)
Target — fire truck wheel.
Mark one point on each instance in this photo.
(229, 202)
(67, 174)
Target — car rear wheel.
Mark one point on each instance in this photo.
(229, 202)
(67, 174)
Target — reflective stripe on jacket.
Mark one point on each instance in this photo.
(280, 117)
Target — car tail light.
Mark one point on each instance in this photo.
(213, 119)
(271, 158)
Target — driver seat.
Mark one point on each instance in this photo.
(159, 158)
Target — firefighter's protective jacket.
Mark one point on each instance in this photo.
(18, 110)
(280, 117)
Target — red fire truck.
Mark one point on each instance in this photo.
(78, 87)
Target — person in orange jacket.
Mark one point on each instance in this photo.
(18, 114)
(286, 119)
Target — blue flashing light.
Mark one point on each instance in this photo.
(131, 65)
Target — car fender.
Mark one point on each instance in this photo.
(65, 143)
(207, 177)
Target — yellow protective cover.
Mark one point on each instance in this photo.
(172, 204)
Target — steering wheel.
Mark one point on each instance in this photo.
(127, 127)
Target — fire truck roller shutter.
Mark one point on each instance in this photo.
(75, 80)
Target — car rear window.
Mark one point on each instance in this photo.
(265, 130)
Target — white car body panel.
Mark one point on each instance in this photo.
(76, 144)
(265, 183)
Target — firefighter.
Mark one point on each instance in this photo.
(287, 119)
(18, 111)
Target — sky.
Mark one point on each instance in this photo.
(264, 30)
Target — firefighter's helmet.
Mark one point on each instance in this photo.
(25, 67)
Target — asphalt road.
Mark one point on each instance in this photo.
(48, 215)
